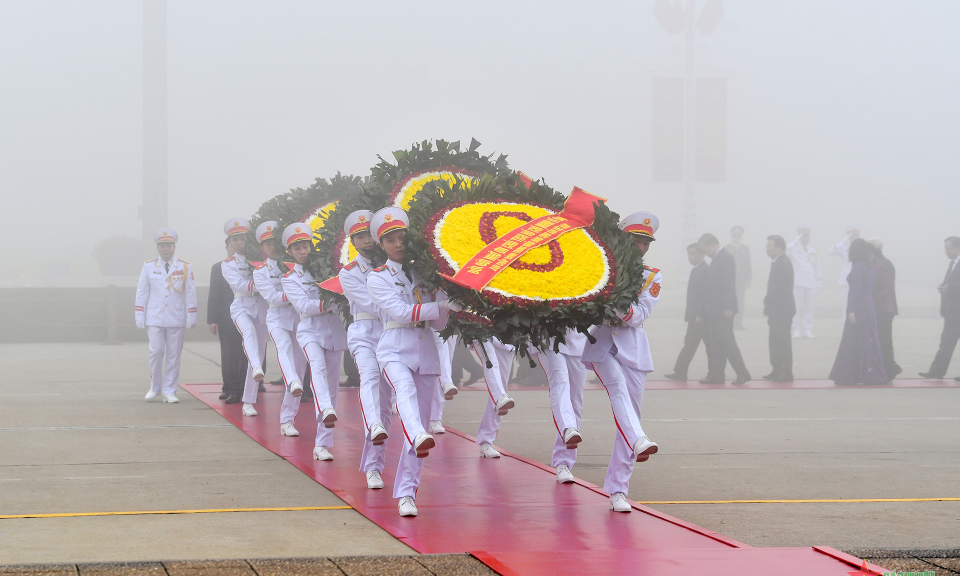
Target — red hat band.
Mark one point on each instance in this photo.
(390, 226)
(359, 227)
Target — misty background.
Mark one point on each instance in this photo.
(838, 114)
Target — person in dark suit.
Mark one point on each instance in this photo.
(719, 308)
(949, 309)
(741, 255)
(696, 327)
(779, 308)
(233, 363)
(885, 298)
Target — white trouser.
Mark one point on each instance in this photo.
(375, 396)
(496, 379)
(292, 363)
(254, 336)
(625, 387)
(446, 350)
(566, 376)
(324, 381)
(169, 342)
(803, 320)
(414, 397)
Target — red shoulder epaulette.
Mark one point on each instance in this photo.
(290, 265)
(289, 272)
(259, 266)
(652, 270)
(256, 264)
(229, 259)
(351, 265)
(380, 268)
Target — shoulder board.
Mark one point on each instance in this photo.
(150, 260)
(289, 272)
(380, 268)
(255, 264)
(652, 270)
(229, 259)
(184, 261)
(289, 265)
(351, 265)
(259, 265)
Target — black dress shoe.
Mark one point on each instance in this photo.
(741, 380)
(771, 377)
(709, 380)
(233, 399)
(261, 387)
(304, 399)
(224, 395)
(931, 376)
(677, 377)
(957, 378)
(785, 378)
(278, 382)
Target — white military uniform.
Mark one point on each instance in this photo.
(566, 377)
(166, 304)
(446, 351)
(496, 377)
(407, 354)
(363, 335)
(282, 322)
(320, 335)
(842, 250)
(806, 281)
(621, 359)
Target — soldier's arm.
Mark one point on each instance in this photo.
(143, 297)
(235, 280)
(355, 289)
(396, 309)
(191, 294)
(642, 308)
(303, 304)
(266, 288)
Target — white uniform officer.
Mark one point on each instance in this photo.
(248, 311)
(320, 335)
(566, 377)
(407, 351)
(621, 359)
(806, 280)
(362, 338)
(166, 305)
(497, 376)
(282, 321)
(842, 250)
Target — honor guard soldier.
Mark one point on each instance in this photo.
(248, 310)
(497, 376)
(407, 351)
(621, 359)
(566, 377)
(282, 321)
(166, 305)
(806, 280)
(362, 338)
(320, 335)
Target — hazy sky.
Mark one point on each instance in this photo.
(839, 112)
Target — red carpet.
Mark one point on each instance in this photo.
(511, 513)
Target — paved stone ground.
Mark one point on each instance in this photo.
(76, 436)
(424, 565)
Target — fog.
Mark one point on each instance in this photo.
(838, 114)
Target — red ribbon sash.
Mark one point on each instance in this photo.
(484, 266)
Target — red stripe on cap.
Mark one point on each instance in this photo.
(297, 238)
(237, 230)
(266, 235)
(639, 228)
(360, 227)
(388, 226)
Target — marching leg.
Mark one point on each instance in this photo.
(332, 379)
(174, 346)
(158, 341)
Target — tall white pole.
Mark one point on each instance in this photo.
(690, 234)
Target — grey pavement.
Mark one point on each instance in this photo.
(76, 436)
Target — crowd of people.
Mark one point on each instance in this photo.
(715, 296)
(403, 366)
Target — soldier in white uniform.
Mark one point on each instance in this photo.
(497, 376)
(621, 359)
(407, 351)
(320, 334)
(248, 311)
(806, 280)
(842, 250)
(362, 338)
(166, 304)
(566, 377)
(282, 322)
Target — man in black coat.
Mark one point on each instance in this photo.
(696, 327)
(779, 308)
(720, 306)
(949, 309)
(233, 362)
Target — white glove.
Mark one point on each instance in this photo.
(140, 324)
(192, 325)
(454, 306)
